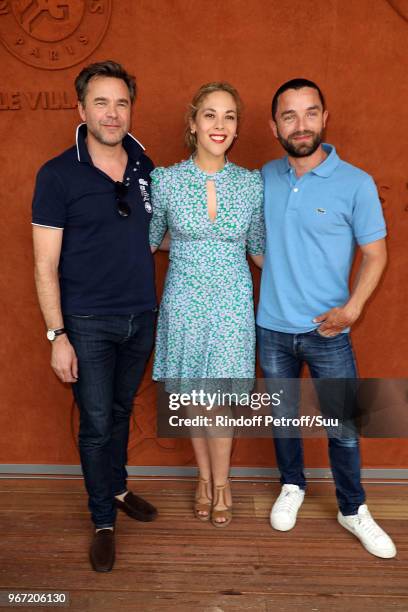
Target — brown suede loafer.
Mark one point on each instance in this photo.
(102, 551)
(136, 507)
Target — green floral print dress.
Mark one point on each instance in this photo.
(206, 326)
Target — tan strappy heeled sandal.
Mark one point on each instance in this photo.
(225, 514)
(202, 503)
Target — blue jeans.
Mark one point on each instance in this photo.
(112, 353)
(282, 356)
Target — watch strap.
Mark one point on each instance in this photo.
(53, 333)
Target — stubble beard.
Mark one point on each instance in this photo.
(303, 149)
(97, 133)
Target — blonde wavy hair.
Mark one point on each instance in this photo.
(209, 88)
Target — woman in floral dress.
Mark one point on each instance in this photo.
(206, 330)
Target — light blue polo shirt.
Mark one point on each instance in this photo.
(313, 224)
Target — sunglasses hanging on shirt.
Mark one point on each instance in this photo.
(122, 206)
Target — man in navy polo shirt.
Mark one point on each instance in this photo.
(317, 208)
(95, 281)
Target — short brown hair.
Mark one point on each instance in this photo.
(295, 84)
(191, 139)
(107, 68)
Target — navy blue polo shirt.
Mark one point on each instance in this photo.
(106, 266)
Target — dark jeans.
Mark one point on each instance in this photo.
(282, 356)
(112, 353)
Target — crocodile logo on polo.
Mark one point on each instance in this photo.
(53, 34)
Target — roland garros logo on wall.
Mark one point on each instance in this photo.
(53, 34)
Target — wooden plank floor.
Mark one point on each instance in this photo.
(178, 563)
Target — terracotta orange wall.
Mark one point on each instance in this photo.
(356, 51)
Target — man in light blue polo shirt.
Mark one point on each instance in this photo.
(317, 209)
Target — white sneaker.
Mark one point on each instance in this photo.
(284, 510)
(373, 538)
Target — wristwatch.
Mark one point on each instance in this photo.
(53, 333)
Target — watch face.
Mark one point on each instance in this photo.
(51, 335)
